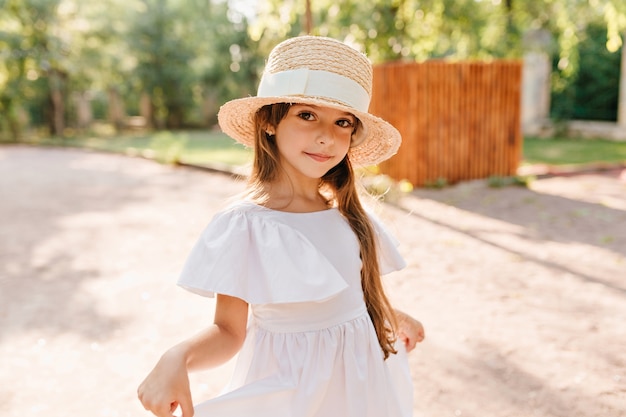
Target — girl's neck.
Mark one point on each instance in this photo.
(285, 196)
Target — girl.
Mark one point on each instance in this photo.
(301, 251)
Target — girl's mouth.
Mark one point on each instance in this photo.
(318, 157)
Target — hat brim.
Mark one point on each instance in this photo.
(381, 142)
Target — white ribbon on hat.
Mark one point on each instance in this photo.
(314, 83)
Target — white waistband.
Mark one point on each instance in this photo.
(291, 318)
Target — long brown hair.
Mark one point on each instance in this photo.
(340, 185)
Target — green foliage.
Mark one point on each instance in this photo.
(181, 52)
(399, 29)
(190, 57)
(30, 51)
(439, 182)
(496, 181)
(596, 92)
(232, 61)
(157, 40)
(590, 92)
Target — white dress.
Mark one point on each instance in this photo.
(311, 349)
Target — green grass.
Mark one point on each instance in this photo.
(559, 151)
(192, 147)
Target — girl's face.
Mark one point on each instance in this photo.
(312, 139)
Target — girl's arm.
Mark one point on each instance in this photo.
(410, 330)
(167, 385)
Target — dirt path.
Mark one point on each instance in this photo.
(522, 291)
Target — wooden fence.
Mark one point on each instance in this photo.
(458, 121)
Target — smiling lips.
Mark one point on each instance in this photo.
(318, 157)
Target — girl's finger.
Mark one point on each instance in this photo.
(187, 407)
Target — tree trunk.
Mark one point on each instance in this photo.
(210, 107)
(116, 109)
(145, 110)
(84, 113)
(174, 118)
(57, 105)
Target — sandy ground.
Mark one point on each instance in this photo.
(522, 291)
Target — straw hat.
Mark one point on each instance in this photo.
(319, 71)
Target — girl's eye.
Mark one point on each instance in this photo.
(345, 123)
(305, 115)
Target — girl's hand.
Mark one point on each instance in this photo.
(410, 331)
(167, 387)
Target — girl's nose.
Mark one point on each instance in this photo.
(326, 135)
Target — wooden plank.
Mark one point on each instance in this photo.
(459, 121)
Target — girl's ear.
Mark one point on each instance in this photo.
(269, 130)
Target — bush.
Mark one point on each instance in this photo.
(591, 93)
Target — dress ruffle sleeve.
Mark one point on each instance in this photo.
(252, 257)
(389, 258)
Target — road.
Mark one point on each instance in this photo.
(522, 291)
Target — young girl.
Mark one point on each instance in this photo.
(302, 252)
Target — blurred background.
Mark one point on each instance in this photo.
(69, 67)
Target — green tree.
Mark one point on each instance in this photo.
(396, 29)
(230, 62)
(592, 94)
(158, 42)
(99, 57)
(190, 55)
(52, 51)
(33, 65)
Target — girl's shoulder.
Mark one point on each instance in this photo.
(242, 206)
(238, 211)
(250, 207)
(240, 252)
